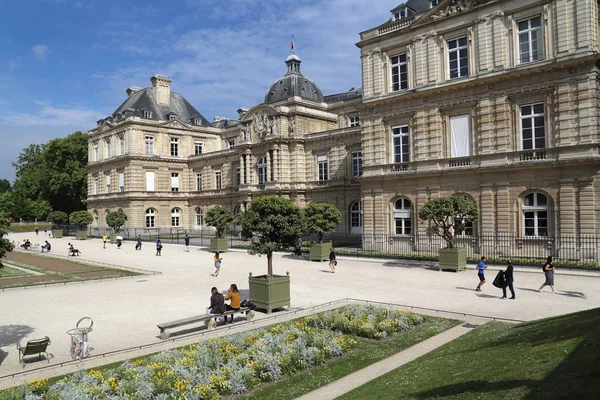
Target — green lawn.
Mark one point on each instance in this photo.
(366, 353)
(8, 272)
(17, 228)
(555, 358)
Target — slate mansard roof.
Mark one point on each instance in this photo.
(144, 100)
(293, 83)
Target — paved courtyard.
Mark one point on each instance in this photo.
(125, 311)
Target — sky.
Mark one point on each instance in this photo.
(65, 64)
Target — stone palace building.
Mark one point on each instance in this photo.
(497, 100)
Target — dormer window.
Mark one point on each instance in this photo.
(172, 117)
(433, 3)
(399, 14)
(147, 114)
(197, 121)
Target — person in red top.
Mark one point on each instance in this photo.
(234, 295)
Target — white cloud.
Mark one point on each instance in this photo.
(50, 115)
(40, 51)
(14, 64)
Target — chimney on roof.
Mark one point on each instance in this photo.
(217, 119)
(242, 112)
(132, 89)
(161, 86)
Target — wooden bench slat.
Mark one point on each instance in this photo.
(165, 326)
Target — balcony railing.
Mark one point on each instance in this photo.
(399, 24)
(400, 167)
(533, 155)
(459, 162)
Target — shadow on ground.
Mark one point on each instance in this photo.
(12, 334)
(3, 355)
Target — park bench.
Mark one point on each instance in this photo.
(33, 347)
(208, 319)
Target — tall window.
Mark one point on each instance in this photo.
(175, 217)
(464, 226)
(231, 144)
(149, 140)
(460, 136)
(355, 216)
(458, 58)
(357, 164)
(400, 143)
(96, 151)
(108, 149)
(199, 217)
(174, 147)
(354, 121)
(108, 182)
(96, 186)
(122, 181)
(261, 169)
(122, 143)
(399, 72)
(150, 181)
(533, 126)
(218, 180)
(199, 181)
(238, 176)
(403, 216)
(150, 216)
(323, 167)
(531, 46)
(174, 182)
(535, 214)
(198, 148)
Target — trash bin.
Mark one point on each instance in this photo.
(79, 338)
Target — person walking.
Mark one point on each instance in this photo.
(332, 260)
(104, 239)
(45, 231)
(37, 231)
(298, 250)
(508, 281)
(138, 243)
(158, 247)
(234, 295)
(186, 239)
(549, 272)
(217, 303)
(481, 273)
(218, 261)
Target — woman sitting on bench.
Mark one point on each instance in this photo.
(217, 303)
(234, 296)
(73, 251)
(46, 246)
(26, 244)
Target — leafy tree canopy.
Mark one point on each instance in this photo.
(218, 217)
(322, 217)
(58, 217)
(38, 209)
(116, 220)
(7, 204)
(447, 216)
(82, 218)
(274, 223)
(5, 244)
(5, 186)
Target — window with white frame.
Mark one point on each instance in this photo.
(122, 181)
(96, 151)
(357, 164)
(198, 147)
(354, 121)
(199, 217)
(238, 176)
(172, 117)
(261, 170)
(174, 147)
(535, 214)
(533, 126)
(399, 14)
(174, 182)
(150, 218)
(323, 167)
(458, 58)
(400, 144)
(147, 114)
(176, 217)
(403, 216)
(460, 136)
(108, 182)
(122, 143)
(149, 140)
(197, 121)
(355, 215)
(149, 181)
(218, 180)
(231, 144)
(108, 149)
(531, 44)
(399, 70)
(199, 181)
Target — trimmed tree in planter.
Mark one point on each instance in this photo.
(321, 218)
(447, 216)
(6, 245)
(81, 219)
(220, 218)
(273, 223)
(58, 218)
(116, 220)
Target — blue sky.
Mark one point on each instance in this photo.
(65, 64)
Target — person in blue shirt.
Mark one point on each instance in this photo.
(158, 247)
(186, 239)
(480, 273)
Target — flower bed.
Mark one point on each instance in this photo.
(229, 365)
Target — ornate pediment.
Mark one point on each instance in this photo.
(176, 125)
(453, 7)
(258, 125)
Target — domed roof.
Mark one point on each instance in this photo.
(293, 83)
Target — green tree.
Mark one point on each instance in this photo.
(5, 186)
(116, 219)
(447, 216)
(30, 174)
(7, 204)
(5, 244)
(38, 209)
(58, 217)
(81, 218)
(220, 218)
(321, 218)
(274, 223)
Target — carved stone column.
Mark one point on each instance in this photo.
(487, 209)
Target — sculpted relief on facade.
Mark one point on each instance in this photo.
(455, 7)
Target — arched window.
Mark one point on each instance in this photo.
(403, 216)
(464, 225)
(176, 217)
(199, 217)
(150, 216)
(355, 217)
(535, 214)
(261, 167)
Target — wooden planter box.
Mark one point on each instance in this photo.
(269, 294)
(453, 259)
(81, 235)
(57, 233)
(320, 251)
(220, 245)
